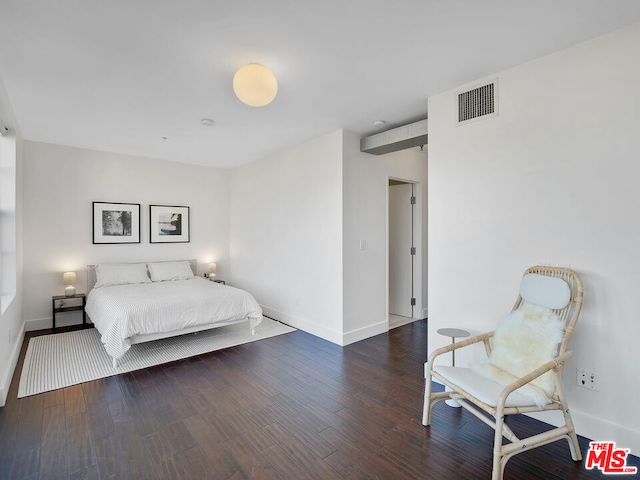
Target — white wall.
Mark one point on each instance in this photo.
(297, 218)
(286, 234)
(11, 322)
(60, 184)
(554, 180)
(366, 180)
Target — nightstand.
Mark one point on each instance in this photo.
(217, 280)
(71, 308)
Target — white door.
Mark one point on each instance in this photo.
(400, 245)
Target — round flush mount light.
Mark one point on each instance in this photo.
(255, 85)
(207, 122)
(379, 123)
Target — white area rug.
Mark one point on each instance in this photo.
(64, 359)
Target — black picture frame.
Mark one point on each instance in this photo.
(169, 224)
(116, 223)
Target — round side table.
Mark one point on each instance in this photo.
(453, 333)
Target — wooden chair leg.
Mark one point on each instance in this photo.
(574, 446)
(426, 408)
(498, 465)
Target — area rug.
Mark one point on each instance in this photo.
(64, 359)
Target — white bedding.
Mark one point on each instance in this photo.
(123, 311)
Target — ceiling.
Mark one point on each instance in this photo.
(120, 75)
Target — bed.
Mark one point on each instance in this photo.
(140, 302)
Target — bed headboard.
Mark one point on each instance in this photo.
(91, 270)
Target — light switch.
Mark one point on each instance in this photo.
(363, 244)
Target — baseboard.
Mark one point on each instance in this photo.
(13, 361)
(596, 429)
(308, 326)
(331, 335)
(65, 319)
(365, 332)
(37, 324)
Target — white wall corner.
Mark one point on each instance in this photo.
(11, 367)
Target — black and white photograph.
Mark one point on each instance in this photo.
(168, 224)
(116, 222)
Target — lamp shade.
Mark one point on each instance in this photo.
(213, 269)
(69, 279)
(255, 85)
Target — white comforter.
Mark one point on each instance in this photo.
(122, 311)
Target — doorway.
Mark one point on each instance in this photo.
(402, 252)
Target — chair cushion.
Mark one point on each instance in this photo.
(482, 388)
(550, 292)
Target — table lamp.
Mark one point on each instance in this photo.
(213, 269)
(69, 279)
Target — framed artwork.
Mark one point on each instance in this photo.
(116, 222)
(168, 224)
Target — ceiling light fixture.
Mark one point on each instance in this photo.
(207, 122)
(255, 85)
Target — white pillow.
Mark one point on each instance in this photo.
(550, 292)
(164, 271)
(108, 274)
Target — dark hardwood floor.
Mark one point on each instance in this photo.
(291, 407)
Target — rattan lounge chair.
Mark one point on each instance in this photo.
(489, 396)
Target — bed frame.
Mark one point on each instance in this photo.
(92, 279)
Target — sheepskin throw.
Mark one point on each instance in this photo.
(523, 341)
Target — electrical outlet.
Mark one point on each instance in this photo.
(587, 379)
